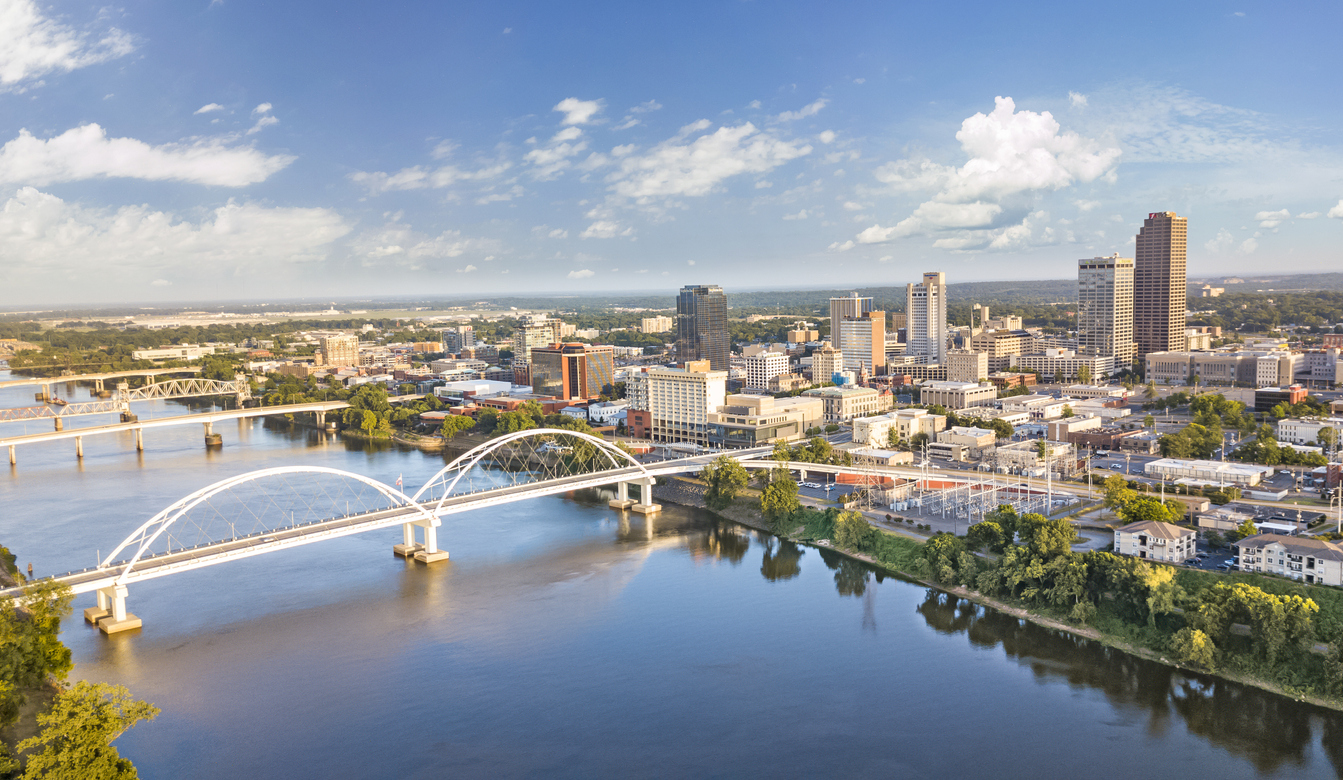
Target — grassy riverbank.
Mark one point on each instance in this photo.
(1112, 618)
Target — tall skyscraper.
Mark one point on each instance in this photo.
(1105, 307)
(701, 326)
(535, 330)
(850, 307)
(864, 343)
(1159, 284)
(926, 313)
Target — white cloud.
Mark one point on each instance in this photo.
(842, 247)
(262, 108)
(1248, 245)
(826, 137)
(581, 274)
(87, 153)
(1077, 99)
(695, 168)
(811, 109)
(1309, 215)
(885, 258)
(43, 232)
(468, 269)
(207, 108)
(799, 215)
(32, 45)
(398, 244)
(552, 159)
(764, 184)
(265, 121)
(1086, 205)
(418, 178)
(559, 233)
(1271, 219)
(1337, 211)
(632, 118)
(1012, 154)
(851, 206)
(1220, 243)
(605, 229)
(579, 112)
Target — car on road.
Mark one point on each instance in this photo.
(1191, 562)
(1116, 466)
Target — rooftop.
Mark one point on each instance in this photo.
(1297, 545)
(1157, 529)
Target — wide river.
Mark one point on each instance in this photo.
(563, 640)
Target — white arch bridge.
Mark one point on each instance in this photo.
(279, 508)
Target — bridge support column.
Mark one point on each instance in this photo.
(622, 499)
(60, 426)
(111, 616)
(79, 446)
(431, 553)
(12, 459)
(139, 439)
(646, 505)
(212, 439)
(408, 546)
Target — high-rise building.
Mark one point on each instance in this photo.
(764, 366)
(846, 308)
(535, 330)
(340, 350)
(926, 313)
(657, 324)
(681, 400)
(863, 342)
(1159, 283)
(572, 371)
(459, 338)
(701, 326)
(825, 363)
(1105, 307)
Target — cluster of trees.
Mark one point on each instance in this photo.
(815, 450)
(1264, 449)
(76, 732)
(1001, 428)
(1261, 313)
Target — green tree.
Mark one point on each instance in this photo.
(1246, 529)
(78, 731)
(917, 441)
(778, 501)
(1067, 412)
(986, 533)
(30, 647)
(454, 424)
(1145, 508)
(1194, 648)
(853, 532)
(726, 479)
(1117, 492)
(1045, 538)
(1149, 421)
(1150, 392)
(1084, 374)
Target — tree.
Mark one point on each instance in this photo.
(779, 501)
(454, 424)
(726, 478)
(1194, 648)
(1145, 509)
(78, 731)
(1045, 538)
(1150, 392)
(1246, 529)
(1001, 428)
(1117, 492)
(853, 532)
(986, 533)
(1084, 374)
(1149, 421)
(1067, 411)
(1058, 376)
(31, 651)
(917, 441)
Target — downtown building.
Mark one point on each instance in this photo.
(862, 341)
(1105, 308)
(1159, 283)
(535, 330)
(926, 318)
(572, 371)
(701, 326)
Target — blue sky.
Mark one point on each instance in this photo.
(205, 150)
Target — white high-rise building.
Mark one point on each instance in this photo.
(926, 318)
(1105, 307)
(850, 307)
(680, 402)
(764, 366)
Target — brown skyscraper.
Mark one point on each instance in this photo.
(1159, 283)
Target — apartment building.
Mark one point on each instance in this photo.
(1155, 541)
(1314, 561)
(875, 431)
(926, 318)
(1105, 307)
(965, 365)
(1054, 362)
(825, 363)
(958, 395)
(658, 324)
(862, 340)
(1003, 343)
(680, 401)
(1307, 431)
(848, 402)
(763, 367)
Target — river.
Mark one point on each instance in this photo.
(562, 640)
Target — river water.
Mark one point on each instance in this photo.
(563, 640)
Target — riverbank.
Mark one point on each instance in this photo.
(691, 493)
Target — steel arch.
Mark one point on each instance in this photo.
(469, 459)
(150, 531)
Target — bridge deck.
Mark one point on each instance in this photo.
(161, 422)
(55, 380)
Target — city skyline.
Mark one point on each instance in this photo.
(154, 154)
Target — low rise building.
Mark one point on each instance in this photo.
(1209, 471)
(958, 395)
(1038, 407)
(1265, 398)
(1024, 456)
(787, 383)
(848, 402)
(876, 456)
(876, 431)
(1307, 431)
(962, 443)
(173, 352)
(1006, 380)
(1296, 557)
(754, 420)
(1062, 428)
(1096, 391)
(1155, 541)
(1223, 518)
(606, 412)
(1068, 364)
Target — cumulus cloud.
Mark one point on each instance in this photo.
(799, 215)
(264, 121)
(1271, 219)
(811, 109)
(632, 118)
(842, 246)
(680, 167)
(1077, 99)
(33, 46)
(1224, 243)
(1309, 215)
(399, 244)
(559, 233)
(579, 112)
(826, 136)
(207, 108)
(468, 269)
(1086, 205)
(40, 230)
(605, 229)
(418, 177)
(581, 274)
(551, 159)
(1337, 211)
(1012, 154)
(87, 153)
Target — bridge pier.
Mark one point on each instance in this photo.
(212, 439)
(622, 499)
(79, 446)
(424, 553)
(646, 505)
(13, 459)
(139, 439)
(110, 616)
(60, 426)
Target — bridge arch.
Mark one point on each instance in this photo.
(144, 537)
(468, 460)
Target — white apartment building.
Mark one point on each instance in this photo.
(926, 318)
(1307, 431)
(340, 350)
(680, 402)
(957, 395)
(1277, 369)
(764, 366)
(1068, 363)
(636, 390)
(964, 365)
(1300, 558)
(1105, 307)
(1155, 541)
(876, 431)
(658, 324)
(1039, 407)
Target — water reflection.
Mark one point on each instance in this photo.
(1273, 733)
(850, 575)
(781, 560)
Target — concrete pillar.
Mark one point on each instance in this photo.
(112, 600)
(622, 499)
(431, 553)
(60, 426)
(140, 439)
(12, 458)
(98, 384)
(212, 439)
(646, 505)
(408, 546)
(321, 417)
(79, 446)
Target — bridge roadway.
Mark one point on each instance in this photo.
(56, 380)
(163, 564)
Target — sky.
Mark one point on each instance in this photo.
(191, 150)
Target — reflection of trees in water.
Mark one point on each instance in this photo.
(781, 560)
(850, 575)
(728, 542)
(1271, 732)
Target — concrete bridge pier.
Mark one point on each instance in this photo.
(212, 439)
(139, 439)
(646, 505)
(427, 552)
(110, 616)
(622, 499)
(13, 459)
(79, 446)
(60, 426)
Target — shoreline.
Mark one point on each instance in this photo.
(753, 520)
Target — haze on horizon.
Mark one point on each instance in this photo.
(225, 150)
